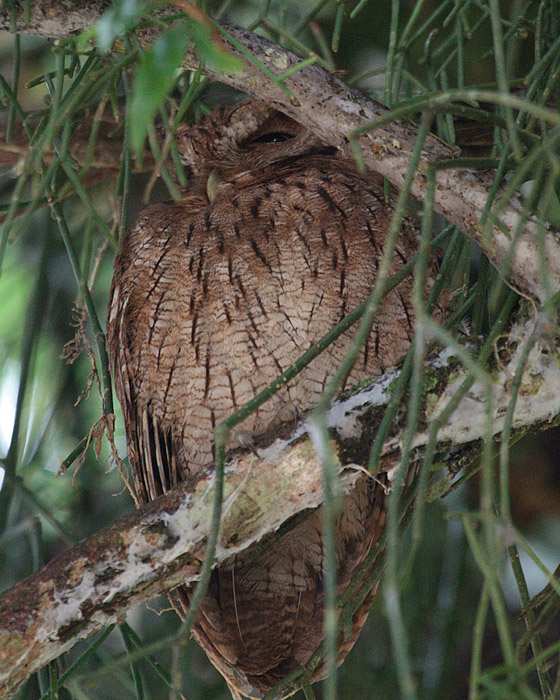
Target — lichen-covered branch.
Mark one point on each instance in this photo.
(97, 582)
(51, 18)
(333, 110)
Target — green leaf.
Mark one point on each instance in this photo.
(211, 53)
(116, 21)
(155, 77)
(157, 73)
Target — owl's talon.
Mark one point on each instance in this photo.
(246, 439)
(286, 413)
(294, 411)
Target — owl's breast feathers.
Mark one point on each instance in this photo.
(211, 301)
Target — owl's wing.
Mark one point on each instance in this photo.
(152, 458)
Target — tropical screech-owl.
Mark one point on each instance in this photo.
(276, 238)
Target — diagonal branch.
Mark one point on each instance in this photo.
(163, 544)
(335, 111)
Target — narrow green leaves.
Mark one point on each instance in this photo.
(159, 69)
(117, 21)
(154, 79)
(157, 72)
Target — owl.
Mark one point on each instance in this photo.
(275, 239)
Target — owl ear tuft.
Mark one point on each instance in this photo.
(222, 132)
(184, 139)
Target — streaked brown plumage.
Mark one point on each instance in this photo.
(275, 240)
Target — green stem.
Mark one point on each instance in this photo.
(134, 666)
(221, 436)
(107, 396)
(98, 641)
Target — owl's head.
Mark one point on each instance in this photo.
(248, 135)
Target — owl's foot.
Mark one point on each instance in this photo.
(293, 409)
(288, 412)
(246, 439)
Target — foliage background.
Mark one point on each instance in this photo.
(435, 46)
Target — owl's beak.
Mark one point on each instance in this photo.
(212, 184)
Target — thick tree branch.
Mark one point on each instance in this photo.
(333, 110)
(97, 582)
(147, 553)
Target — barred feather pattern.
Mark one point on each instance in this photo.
(274, 241)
